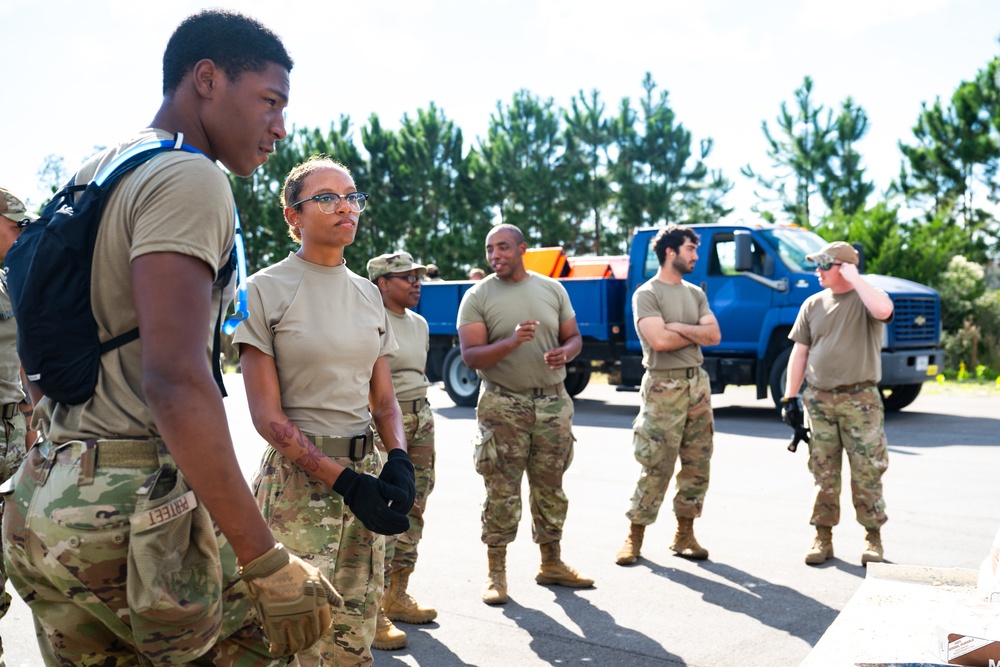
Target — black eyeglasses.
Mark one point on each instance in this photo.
(328, 201)
(826, 266)
(410, 278)
(21, 224)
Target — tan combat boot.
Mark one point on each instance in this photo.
(398, 605)
(633, 544)
(555, 572)
(822, 547)
(496, 579)
(873, 547)
(387, 636)
(685, 543)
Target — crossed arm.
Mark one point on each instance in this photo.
(669, 336)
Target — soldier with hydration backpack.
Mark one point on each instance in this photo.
(131, 532)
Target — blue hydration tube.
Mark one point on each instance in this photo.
(241, 311)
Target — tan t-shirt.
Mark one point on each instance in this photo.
(326, 327)
(501, 306)
(685, 303)
(410, 360)
(844, 339)
(10, 365)
(176, 202)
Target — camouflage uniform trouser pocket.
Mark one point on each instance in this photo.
(174, 584)
(485, 452)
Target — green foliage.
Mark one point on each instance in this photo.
(959, 286)
(573, 177)
(800, 149)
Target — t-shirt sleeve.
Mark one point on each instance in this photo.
(387, 339)
(644, 305)
(566, 312)
(186, 207)
(469, 311)
(800, 332)
(703, 309)
(254, 330)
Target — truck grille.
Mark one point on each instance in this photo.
(916, 321)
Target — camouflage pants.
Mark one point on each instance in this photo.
(66, 536)
(11, 456)
(852, 422)
(675, 420)
(313, 522)
(401, 550)
(521, 433)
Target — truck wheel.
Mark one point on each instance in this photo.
(461, 383)
(896, 397)
(577, 379)
(779, 373)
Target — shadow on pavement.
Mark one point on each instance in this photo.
(422, 648)
(604, 642)
(779, 607)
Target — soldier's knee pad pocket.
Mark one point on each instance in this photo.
(174, 584)
(485, 451)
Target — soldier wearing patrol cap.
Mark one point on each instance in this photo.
(398, 279)
(16, 407)
(838, 338)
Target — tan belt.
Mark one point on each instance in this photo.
(10, 410)
(551, 390)
(112, 453)
(413, 405)
(852, 387)
(356, 447)
(675, 373)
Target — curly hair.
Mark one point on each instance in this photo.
(291, 191)
(672, 236)
(235, 42)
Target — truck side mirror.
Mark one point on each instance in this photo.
(744, 250)
(861, 256)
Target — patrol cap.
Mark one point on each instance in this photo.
(397, 262)
(13, 208)
(837, 251)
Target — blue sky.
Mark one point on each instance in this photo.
(77, 75)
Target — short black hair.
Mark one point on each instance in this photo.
(673, 237)
(235, 42)
(513, 229)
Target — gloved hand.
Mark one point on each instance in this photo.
(791, 412)
(369, 497)
(398, 471)
(292, 598)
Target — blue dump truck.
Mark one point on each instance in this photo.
(755, 275)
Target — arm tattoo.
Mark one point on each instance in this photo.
(285, 436)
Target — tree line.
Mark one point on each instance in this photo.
(586, 176)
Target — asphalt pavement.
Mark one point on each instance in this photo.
(753, 603)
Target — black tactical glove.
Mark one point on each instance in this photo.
(791, 412)
(398, 471)
(368, 497)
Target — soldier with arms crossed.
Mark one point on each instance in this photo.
(675, 420)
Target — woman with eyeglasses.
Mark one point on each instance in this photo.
(313, 353)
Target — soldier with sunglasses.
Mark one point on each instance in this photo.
(837, 342)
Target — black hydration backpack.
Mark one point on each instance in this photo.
(49, 275)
